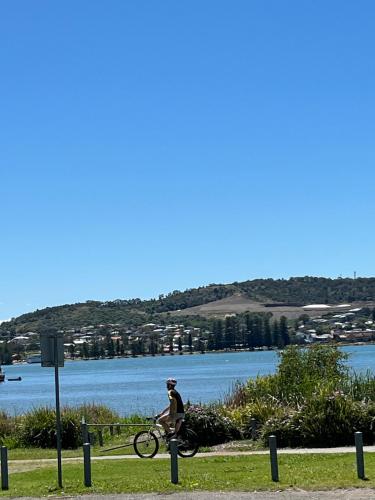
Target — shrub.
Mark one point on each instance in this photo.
(326, 420)
(286, 428)
(97, 414)
(8, 429)
(39, 428)
(211, 427)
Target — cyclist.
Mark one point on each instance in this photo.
(173, 414)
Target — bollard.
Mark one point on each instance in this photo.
(174, 461)
(87, 464)
(84, 430)
(359, 455)
(4, 468)
(100, 437)
(253, 427)
(273, 457)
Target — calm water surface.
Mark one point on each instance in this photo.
(136, 385)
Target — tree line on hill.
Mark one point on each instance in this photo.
(135, 312)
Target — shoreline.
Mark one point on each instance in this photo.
(195, 353)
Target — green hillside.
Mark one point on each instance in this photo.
(294, 291)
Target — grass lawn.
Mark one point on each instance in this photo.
(241, 473)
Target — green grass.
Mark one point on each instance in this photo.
(241, 473)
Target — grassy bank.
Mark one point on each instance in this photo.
(243, 473)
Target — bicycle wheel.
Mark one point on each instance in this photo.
(187, 443)
(146, 444)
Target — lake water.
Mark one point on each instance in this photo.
(137, 385)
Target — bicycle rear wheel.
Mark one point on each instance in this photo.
(146, 444)
(187, 443)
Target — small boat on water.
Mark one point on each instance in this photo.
(34, 358)
(14, 379)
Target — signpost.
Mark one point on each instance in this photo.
(52, 349)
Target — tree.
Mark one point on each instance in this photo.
(94, 350)
(249, 331)
(190, 343)
(229, 334)
(267, 334)
(217, 331)
(211, 342)
(72, 350)
(276, 337)
(85, 350)
(201, 345)
(258, 331)
(118, 350)
(110, 347)
(284, 334)
(179, 345)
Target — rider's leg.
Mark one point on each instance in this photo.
(164, 421)
(177, 425)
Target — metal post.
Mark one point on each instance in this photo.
(4, 468)
(273, 457)
(85, 432)
(87, 464)
(111, 430)
(100, 437)
(58, 419)
(359, 455)
(253, 427)
(174, 461)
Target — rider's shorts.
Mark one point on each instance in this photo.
(176, 416)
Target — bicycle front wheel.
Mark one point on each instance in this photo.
(146, 444)
(187, 444)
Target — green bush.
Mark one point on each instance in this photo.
(326, 420)
(39, 428)
(286, 428)
(97, 414)
(210, 427)
(39, 425)
(8, 427)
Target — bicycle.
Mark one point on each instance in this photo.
(146, 443)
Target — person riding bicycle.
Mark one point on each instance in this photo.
(174, 413)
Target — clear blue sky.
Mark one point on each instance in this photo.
(150, 146)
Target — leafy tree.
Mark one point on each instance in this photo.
(229, 334)
(190, 342)
(217, 331)
(249, 321)
(283, 328)
(85, 350)
(276, 337)
(211, 342)
(94, 351)
(258, 331)
(267, 334)
(72, 350)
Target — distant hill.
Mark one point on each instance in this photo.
(261, 295)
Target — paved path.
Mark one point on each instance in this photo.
(297, 451)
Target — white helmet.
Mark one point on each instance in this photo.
(171, 381)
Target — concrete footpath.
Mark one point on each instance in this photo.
(31, 464)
